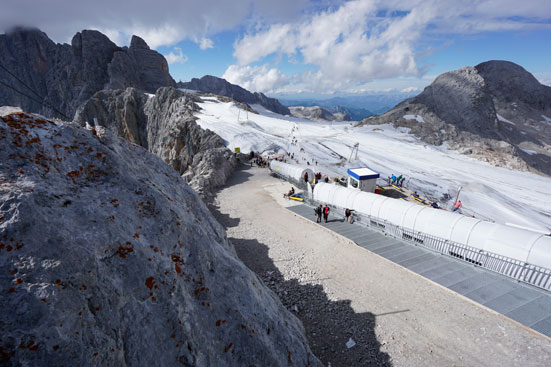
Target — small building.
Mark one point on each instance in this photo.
(363, 179)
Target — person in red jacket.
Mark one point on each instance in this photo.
(457, 205)
(325, 213)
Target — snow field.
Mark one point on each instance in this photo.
(488, 192)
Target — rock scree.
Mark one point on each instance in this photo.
(107, 258)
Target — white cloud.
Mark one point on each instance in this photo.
(409, 90)
(206, 43)
(366, 40)
(176, 58)
(159, 22)
(256, 78)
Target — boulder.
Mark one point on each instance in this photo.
(107, 258)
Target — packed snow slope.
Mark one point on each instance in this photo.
(488, 192)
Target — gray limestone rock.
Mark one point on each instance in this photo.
(107, 258)
(317, 113)
(219, 86)
(61, 77)
(496, 111)
(164, 124)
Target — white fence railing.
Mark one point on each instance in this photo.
(518, 270)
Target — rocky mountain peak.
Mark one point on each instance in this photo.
(508, 82)
(138, 43)
(64, 76)
(219, 86)
(495, 111)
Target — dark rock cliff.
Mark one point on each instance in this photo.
(64, 76)
(219, 86)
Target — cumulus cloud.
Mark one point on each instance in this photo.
(205, 43)
(159, 23)
(176, 58)
(256, 78)
(364, 40)
(409, 90)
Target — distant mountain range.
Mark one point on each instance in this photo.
(495, 111)
(54, 79)
(357, 107)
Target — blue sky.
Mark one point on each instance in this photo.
(314, 46)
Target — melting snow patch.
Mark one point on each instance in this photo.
(546, 119)
(503, 119)
(350, 343)
(414, 117)
(6, 110)
(150, 95)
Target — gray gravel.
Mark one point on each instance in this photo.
(340, 291)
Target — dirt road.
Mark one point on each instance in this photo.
(343, 293)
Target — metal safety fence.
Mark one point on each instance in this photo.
(516, 269)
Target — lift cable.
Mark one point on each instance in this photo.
(42, 101)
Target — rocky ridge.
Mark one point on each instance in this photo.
(64, 76)
(108, 258)
(318, 113)
(496, 112)
(219, 86)
(165, 125)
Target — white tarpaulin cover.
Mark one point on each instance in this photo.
(515, 243)
(291, 171)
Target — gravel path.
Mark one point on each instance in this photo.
(344, 293)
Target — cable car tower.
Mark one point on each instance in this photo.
(354, 150)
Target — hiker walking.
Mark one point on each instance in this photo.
(318, 211)
(347, 214)
(325, 213)
(305, 176)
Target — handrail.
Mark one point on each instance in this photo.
(523, 272)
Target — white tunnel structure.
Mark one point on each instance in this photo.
(291, 172)
(516, 252)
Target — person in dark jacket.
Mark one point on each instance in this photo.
(318, 211)
(325, 213)
(305, 176)
(347, 214)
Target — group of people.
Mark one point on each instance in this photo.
(320, 210)
(393, 180)
(324, 210)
